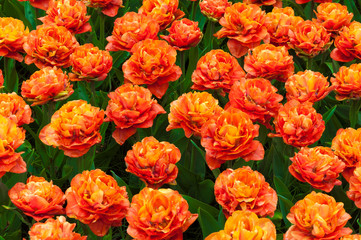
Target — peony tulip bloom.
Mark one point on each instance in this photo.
(221, 235)
(318, 166)
(38, 198)
(277, 3)
(216, 70)
(191, 110)
(317, 1)
(307, 86)
(163, 11)
(15, 108)
(159, 215)
(90, 64)
(131, 29)
(109, 7)
(70, 14)
(41, 4)
(58, 229)
(230, 136)
(317, 216)
(298, 124)
(354, 192)
(244, 25)
(270, 62)
(13, 34)
(183, 34)
(352, 237)
(347, 82)
(256, 97)
(50, 46)
(245, 189)
(74, 128)
(131, 107)
(153, 64)
(214, 9)
(47, 84)
(153, 162)
(94, 198)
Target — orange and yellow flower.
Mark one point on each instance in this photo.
(279, 22)
(351, 237)
(318, 166)
(354, 192)
(108, 7)
(256, 97)
(47, 84)
(298, 124)
(270, 62)
(214, 9)
(13, 34)
(307, 86)
(131, 107)
(244, 25)
(309, 38)
(153, 64)
(230, 136)
(38, 198)
(163, 11)
(317, 1)
(70, 14)
(74, 128)
(153, 162)
(131, 29)
(191, 110)
(346, 145)
(216, 70)
(221, 235)
(54, 229)
(90, 64)
(347, 44)
(277, 3)
(15, 108)
(94, 198)
(317, 216)
(159, 215)
(50, 46)
(347, 82)
(41, 4)
(11, 137)
(333, 16)
(183, 34)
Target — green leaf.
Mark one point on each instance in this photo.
(121, 183)
(327, 115)
(284, 197)
(194, 204)
(208, 223)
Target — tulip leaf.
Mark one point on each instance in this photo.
(328, 115)
(194, 204)
(284, 197)
(121, 183)
(208, 223)
(351, 6)
(29, 14)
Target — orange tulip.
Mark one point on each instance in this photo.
(94, 198)
(347, 44)
(298, 124)
(191, 110)
(13, 34)
(131, 107)
(58, 229)
(153, 162)
(244, 25)
(307, 86)
(216, 70)
(15, 108)
(318, 166)
(50, 46)
(333, 16)
(221, 235)
(256, 97)
(47, 84)
(41, 4)
(159, 215)
(317, 1)
(277, 3)
(183, 34)
(70, 14)
(131, 29)
(109, 7)
(214, 9)
(230, 136)
(244, 189)
(153, 64)
(354, 192)
(346, 145)
(309, 38)
(317, 216)
(90, 64)
(163, 11)
(278, 23)
(347, 82)
(1, 79)
(270, 62)
(351, 237)
(11, 137)
(74, 128)
(38, 198)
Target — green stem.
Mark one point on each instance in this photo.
(102, 26)
(194, 8)
(309, 63)
(354, 111)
